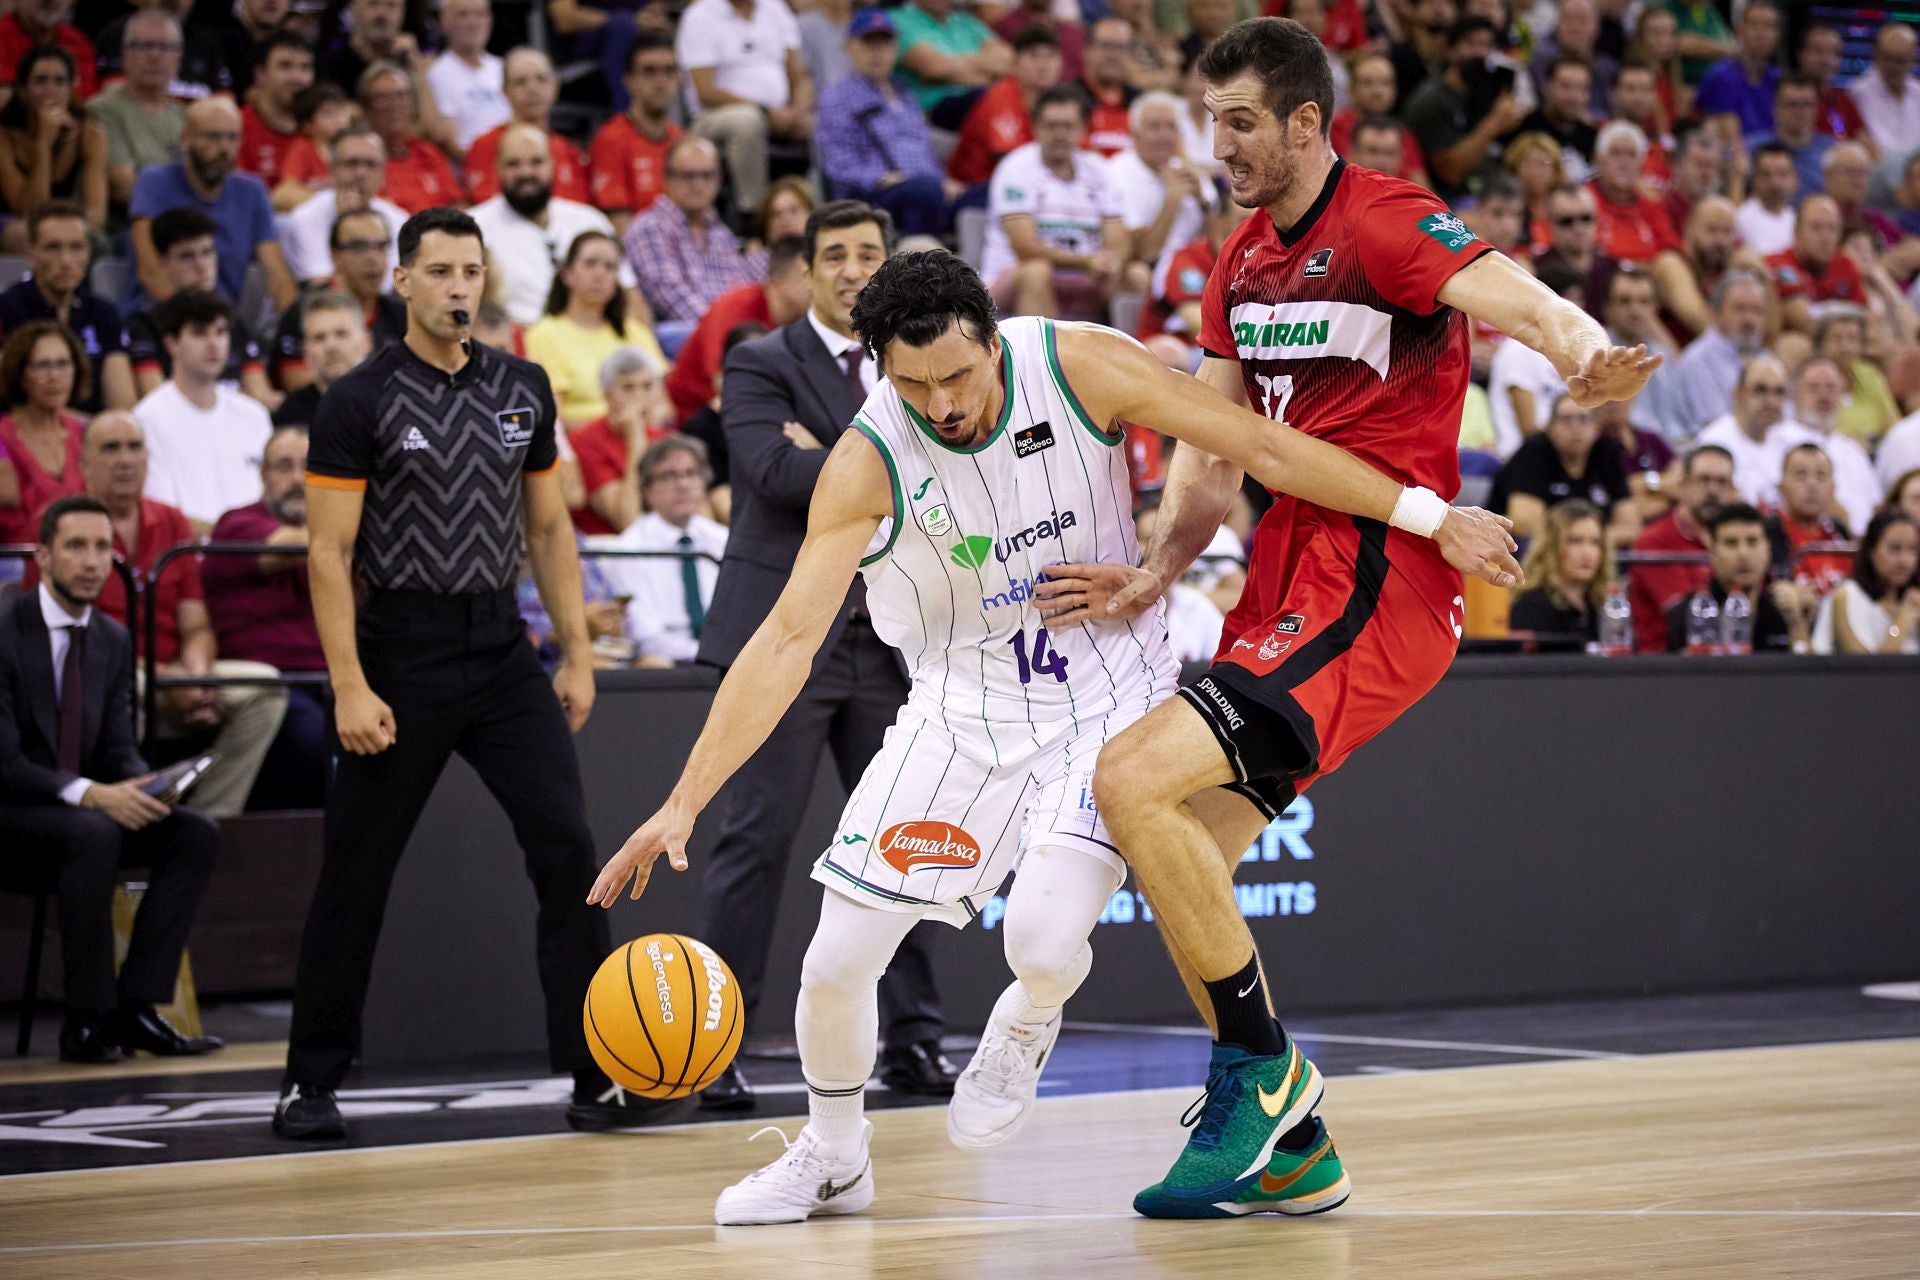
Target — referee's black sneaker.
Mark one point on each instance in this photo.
(599, 1106)
(730, 1092)
(919, 1068)
(309, 1113)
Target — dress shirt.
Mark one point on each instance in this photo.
(657, 618)
(838, 345)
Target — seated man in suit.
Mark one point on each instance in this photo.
(789, 395)
(70, 779)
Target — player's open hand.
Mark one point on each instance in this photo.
(1617, 373)
(1480, 543)
(1072, 594)
(665, 832)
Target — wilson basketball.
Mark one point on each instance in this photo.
(663, 1016)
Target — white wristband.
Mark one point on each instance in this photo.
(1419, 511)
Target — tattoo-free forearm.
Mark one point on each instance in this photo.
(1198, 494)
(556, 573)
(330, 581)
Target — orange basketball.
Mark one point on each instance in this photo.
(663, 1016)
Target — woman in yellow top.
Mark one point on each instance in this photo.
(586, 321)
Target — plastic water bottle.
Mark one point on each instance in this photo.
(1736, 624)
(1616, 624)
(1703, 623)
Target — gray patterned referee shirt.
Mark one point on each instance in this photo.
(441, 458)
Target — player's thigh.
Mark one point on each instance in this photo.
(1167, 756)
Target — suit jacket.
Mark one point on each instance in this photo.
(785, 376)
(30, 715)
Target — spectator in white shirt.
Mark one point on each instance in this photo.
(1757, 431)
(746, 82)
(467, 81)
(1056, 243)
(359, 167)
(1899, 450)
(528, 229)
(1888, 100)
(1765, 218)
(670, 596)
(1818, 395)
(204, 440)
(1163, 200)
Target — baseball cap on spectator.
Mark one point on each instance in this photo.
(869, 23)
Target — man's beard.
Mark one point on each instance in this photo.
(289, 508)
(528, 202)
(211, 173)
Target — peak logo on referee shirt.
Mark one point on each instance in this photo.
(905, 846)
(516, 427)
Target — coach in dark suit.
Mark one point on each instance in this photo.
(70, 797)
(786, 398)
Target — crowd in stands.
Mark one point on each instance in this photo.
(202, 198)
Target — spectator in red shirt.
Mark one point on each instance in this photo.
(1108, 80)
(532, 89)
(35, 22)
(1808, 514)
(1374, 89)
(1002, 119)
(321, 112)
(262, 612)
(609, 448)
(781, 300)
(283, 66)
(1170, 321)
(1814, 270)
(1028, 14)
(419, 176)
(1819, 57)
(242, 718)
(1706, 485)
(1632, 228)
(42, 366)
(628, 159)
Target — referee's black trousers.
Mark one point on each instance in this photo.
(460, 676)
(845, 706)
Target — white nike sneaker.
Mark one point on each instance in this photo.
(994, 1095)
(801, 1183)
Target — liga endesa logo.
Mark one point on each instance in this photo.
(905, 846)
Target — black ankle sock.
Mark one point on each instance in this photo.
(1240, 1011)
(1297, 1138)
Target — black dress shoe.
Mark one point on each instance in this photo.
(307, 1112)
(605, 1107)
(919, 1068)
(730, 1092)
(140, 1027)
(84, 1038)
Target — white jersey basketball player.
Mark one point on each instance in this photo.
(988, 453)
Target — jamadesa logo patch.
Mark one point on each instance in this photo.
(905, 846)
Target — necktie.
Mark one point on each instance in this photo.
(73, 700)
(690, 585)
(852, 357)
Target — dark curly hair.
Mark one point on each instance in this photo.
(916, 297)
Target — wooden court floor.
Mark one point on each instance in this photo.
(1743, 1163)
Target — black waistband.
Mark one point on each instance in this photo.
(469, 605)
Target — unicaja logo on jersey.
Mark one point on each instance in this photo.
(971, 553)
(1052, 527)
(1019, 591)
(927, 843)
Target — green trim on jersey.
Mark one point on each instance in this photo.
(1066, 390)
(1006, 409)
(893, 476)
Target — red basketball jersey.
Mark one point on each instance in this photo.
(1338, 329)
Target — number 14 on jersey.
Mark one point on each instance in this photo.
(1044, 660)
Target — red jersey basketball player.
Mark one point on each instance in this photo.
(1342, 309)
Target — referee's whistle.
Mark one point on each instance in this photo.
(462, 318)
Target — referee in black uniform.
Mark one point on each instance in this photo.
(424, 464)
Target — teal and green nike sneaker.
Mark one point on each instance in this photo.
(1249, 1103)
(1310, 1180)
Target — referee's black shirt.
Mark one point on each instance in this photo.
(441, 457)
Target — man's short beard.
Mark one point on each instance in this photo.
(528, 202)
(277, 507)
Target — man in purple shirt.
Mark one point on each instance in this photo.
(682, 253)
(1736, 94)
(876, 147)
(262, 612)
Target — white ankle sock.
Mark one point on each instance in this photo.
(835, 1112)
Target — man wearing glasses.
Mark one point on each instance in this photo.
(359, 173)
(682, 254)
(1573, 243)
(362, 247)
(140, 114)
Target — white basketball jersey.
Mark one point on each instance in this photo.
(950, 578)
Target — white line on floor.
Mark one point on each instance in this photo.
(1391, 1042)
(474, 1233)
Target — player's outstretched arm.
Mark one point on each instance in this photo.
(1120, 379)
(1496, 290)
(853, 496)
